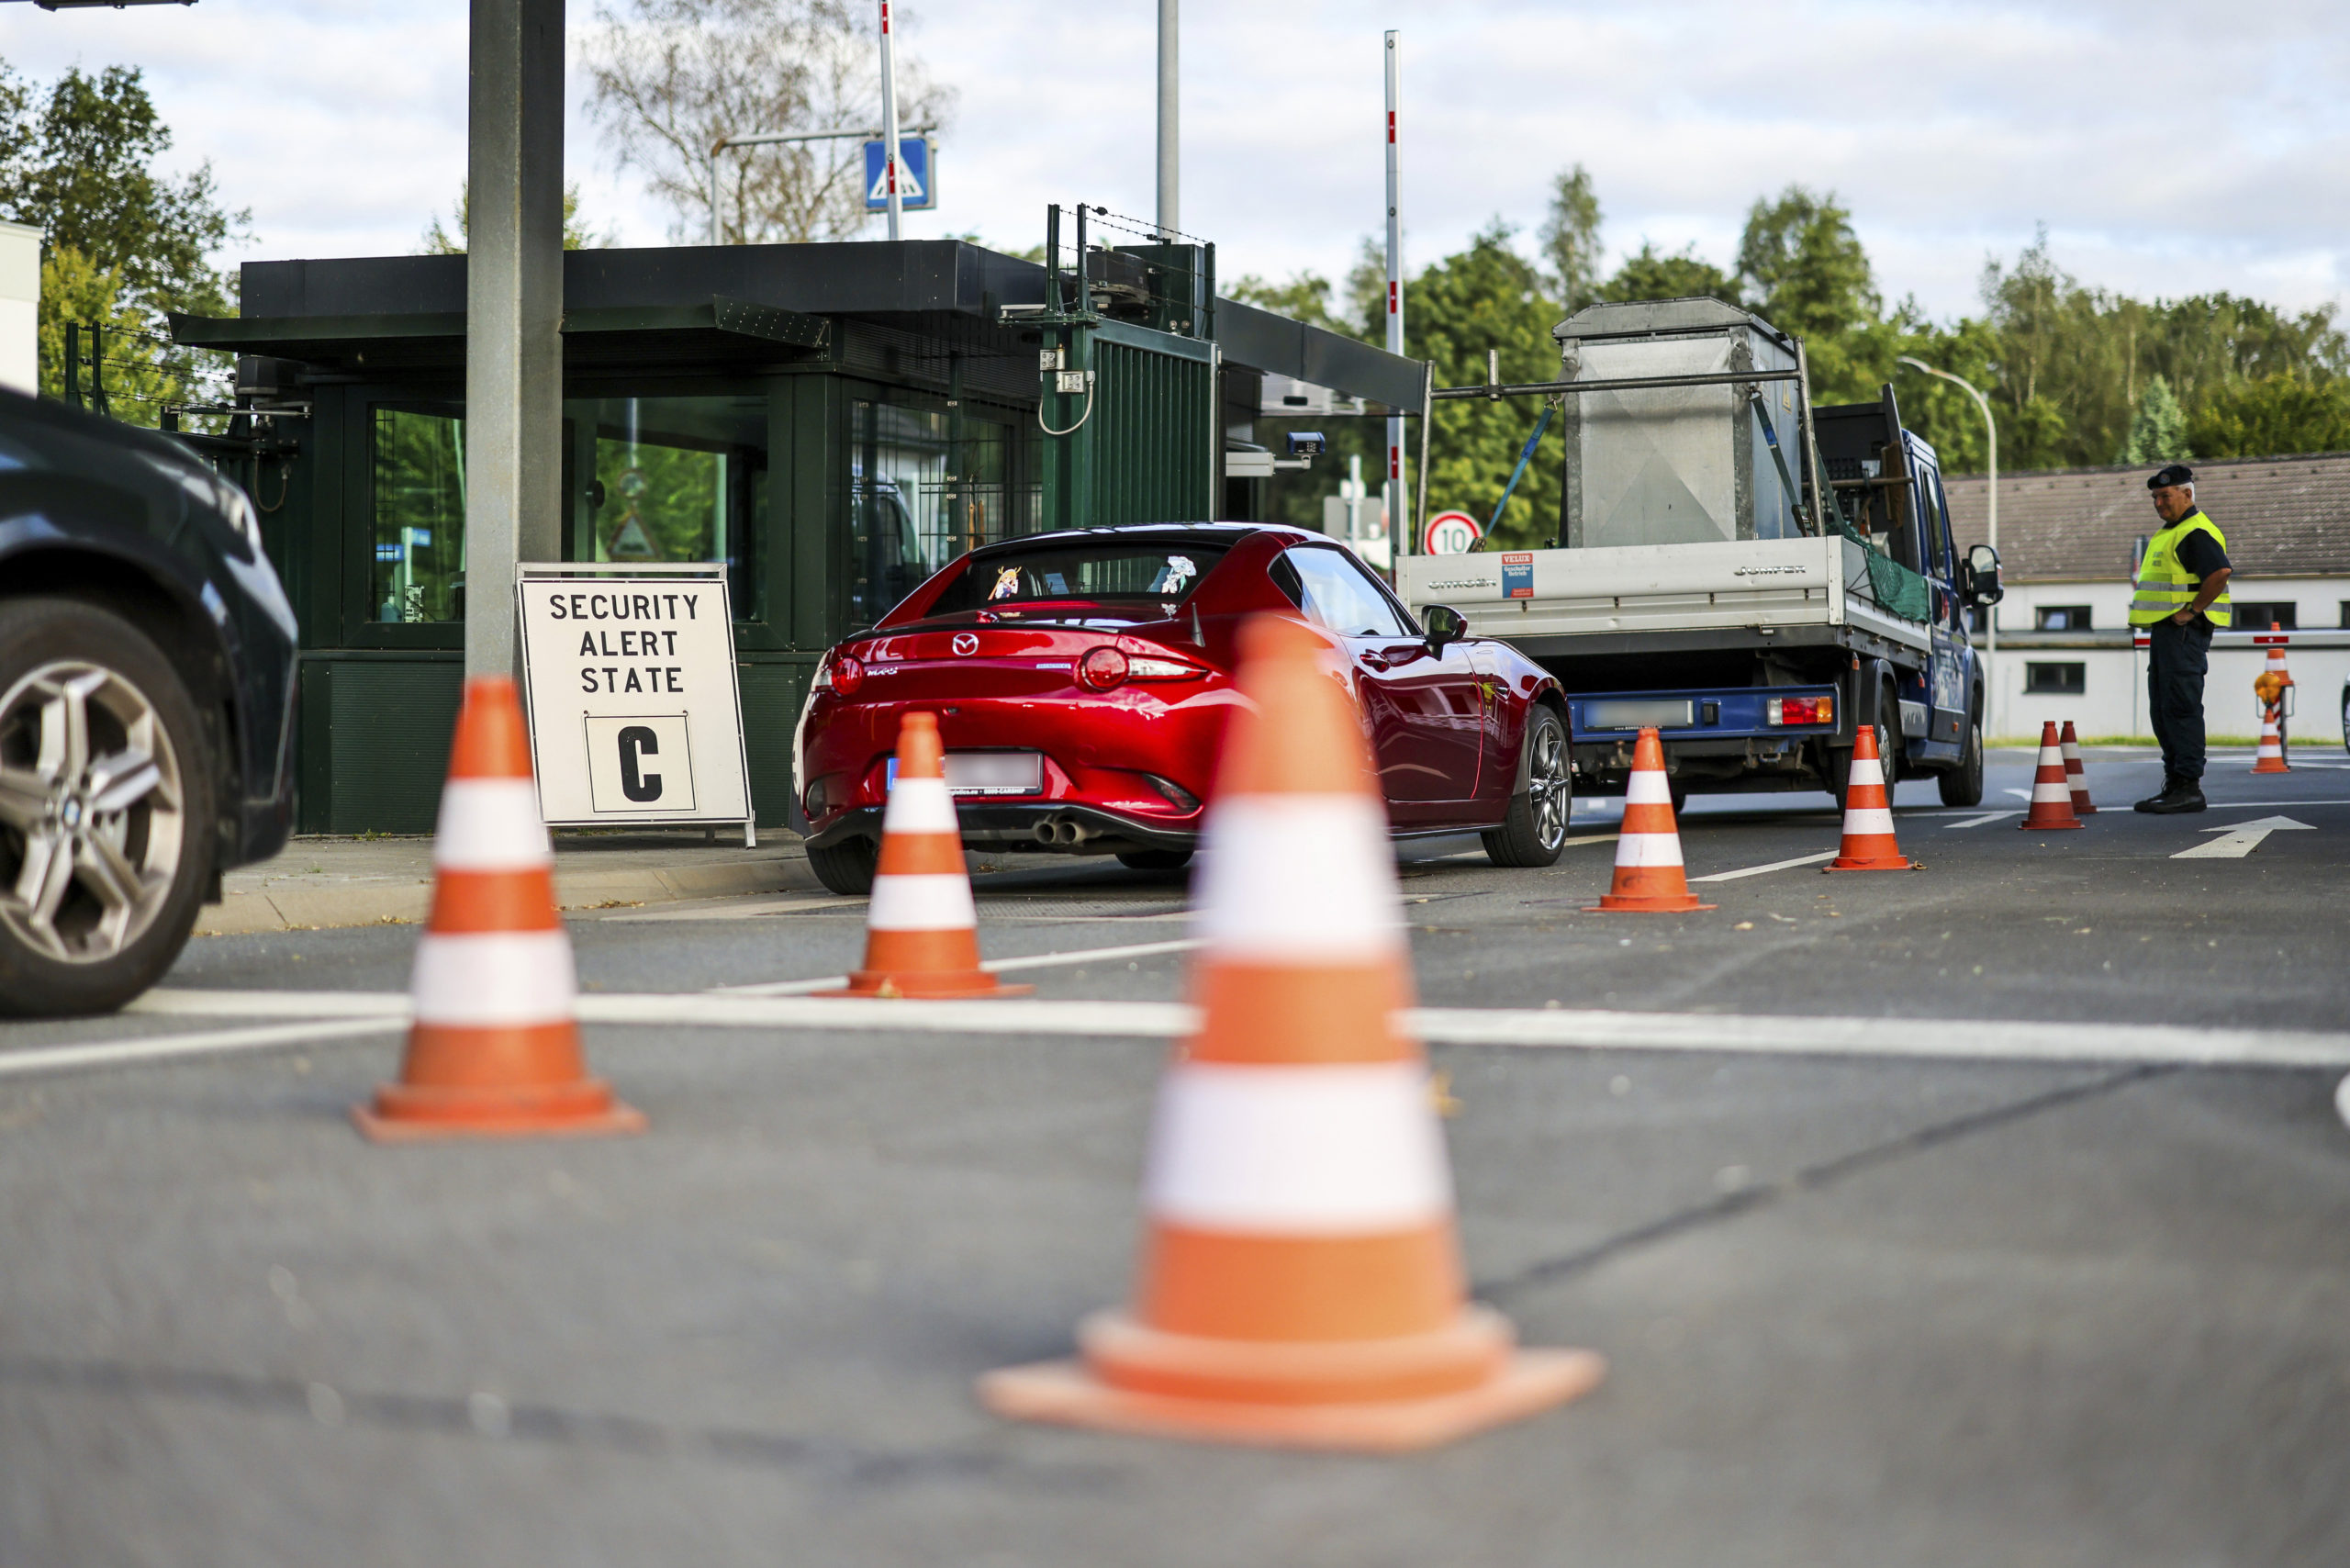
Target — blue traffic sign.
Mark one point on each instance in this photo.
(917, 191)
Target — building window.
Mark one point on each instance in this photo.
(912, 511)
(2060, 618)
(419, 485)
(2259, 615)
(2055, 679)
(2345, 615)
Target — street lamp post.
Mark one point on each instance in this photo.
(1991, 613)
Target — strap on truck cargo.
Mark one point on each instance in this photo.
(1894, 587)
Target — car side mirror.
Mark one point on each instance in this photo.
(1443, 624)
(1982, 576)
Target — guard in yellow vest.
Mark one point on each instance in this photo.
(2181, 597)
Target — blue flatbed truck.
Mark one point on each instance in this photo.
(1755, 577)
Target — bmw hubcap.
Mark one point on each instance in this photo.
(91, 812)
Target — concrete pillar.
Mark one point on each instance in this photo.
(513, 315)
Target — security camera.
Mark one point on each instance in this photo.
(1307, 444)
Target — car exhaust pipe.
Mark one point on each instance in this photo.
(1062, 833)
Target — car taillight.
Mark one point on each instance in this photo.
(1801, 710)
(1140, 669)
(1103, 669)
(845, 676)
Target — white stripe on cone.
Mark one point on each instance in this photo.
(1317, 1150)
(1648, 787)
(1865, 820)
(1298, 877)
(1864, 770)
(1649, 849)
(925, 901)
(2058, 791)
(490, 824)
(920, 805)
(493, 977)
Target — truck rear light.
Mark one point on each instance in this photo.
(1801, 710)
(1103, 669)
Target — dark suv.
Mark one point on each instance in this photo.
(146, 703)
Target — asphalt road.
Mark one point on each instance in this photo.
(1860, 1308)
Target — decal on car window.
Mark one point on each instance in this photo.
(1007, 583)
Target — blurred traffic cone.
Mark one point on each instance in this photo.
(1301, 1284)
(922, 931)
(1648, 850)
(2051, 798)
(495, 1049)
(1868, 813)
(2270, 757)
(2076, 778)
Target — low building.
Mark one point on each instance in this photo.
(833, 421)
(2069, 540)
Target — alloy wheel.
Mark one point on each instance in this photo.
(1547, 787)
(92, 814)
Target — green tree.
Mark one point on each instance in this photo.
(122, 244)
(1806, 272)
(1569, 237)
(2287, 412)
(2158, 430)
(1680, 274)
(1488, 298)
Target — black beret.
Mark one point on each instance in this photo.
(2177, 474)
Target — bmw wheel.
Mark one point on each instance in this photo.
(1536, 829)
(105, 810)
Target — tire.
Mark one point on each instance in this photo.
(1155, 859)
(1536, 829)
(1840, 765)
(1962, 784)
(845, 867)
(107, 820)
(2346, 718)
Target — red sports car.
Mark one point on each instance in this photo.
(1082, 680)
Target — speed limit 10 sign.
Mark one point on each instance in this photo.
(1450, 534)
(635, 716)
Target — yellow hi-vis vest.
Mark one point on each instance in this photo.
(2164, 586)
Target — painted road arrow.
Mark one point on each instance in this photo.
(2240, 840)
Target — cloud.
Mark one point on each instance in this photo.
(2171, 146)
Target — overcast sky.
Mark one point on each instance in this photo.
(2170, 146)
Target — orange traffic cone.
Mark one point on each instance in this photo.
(2051, 798)
(1648, 852)
(495, 1049)
(1868, 813)
(2076, 778)
(1301, 1284)
(922, 931)
(2270, 757)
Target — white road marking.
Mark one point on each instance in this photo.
(1772, 1034)
(207, 1042)
(1978, 822)
(994, 965)
(2235, 843)
(1568, 844)
(2258, 805)
(1773, 865)
(195, 1003)
(2019, 794)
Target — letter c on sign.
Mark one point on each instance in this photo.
(637, 741)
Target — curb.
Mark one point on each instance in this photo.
(403, 902)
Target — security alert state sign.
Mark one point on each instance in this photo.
(635, 716)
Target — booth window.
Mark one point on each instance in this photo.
(2055, 679)
(2060, 618)
(417, 478)
(919, 498)
(673, 479)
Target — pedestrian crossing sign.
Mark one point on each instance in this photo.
(917, 192)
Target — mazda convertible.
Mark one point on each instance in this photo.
(1082, 681)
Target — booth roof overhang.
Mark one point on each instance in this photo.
(728, 304)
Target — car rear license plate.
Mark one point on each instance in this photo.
(990, 772)
(1663, 713)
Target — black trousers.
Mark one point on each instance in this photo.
(2174, 694)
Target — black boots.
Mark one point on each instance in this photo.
(2178, 795)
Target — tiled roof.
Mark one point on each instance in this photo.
(2283, 516)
